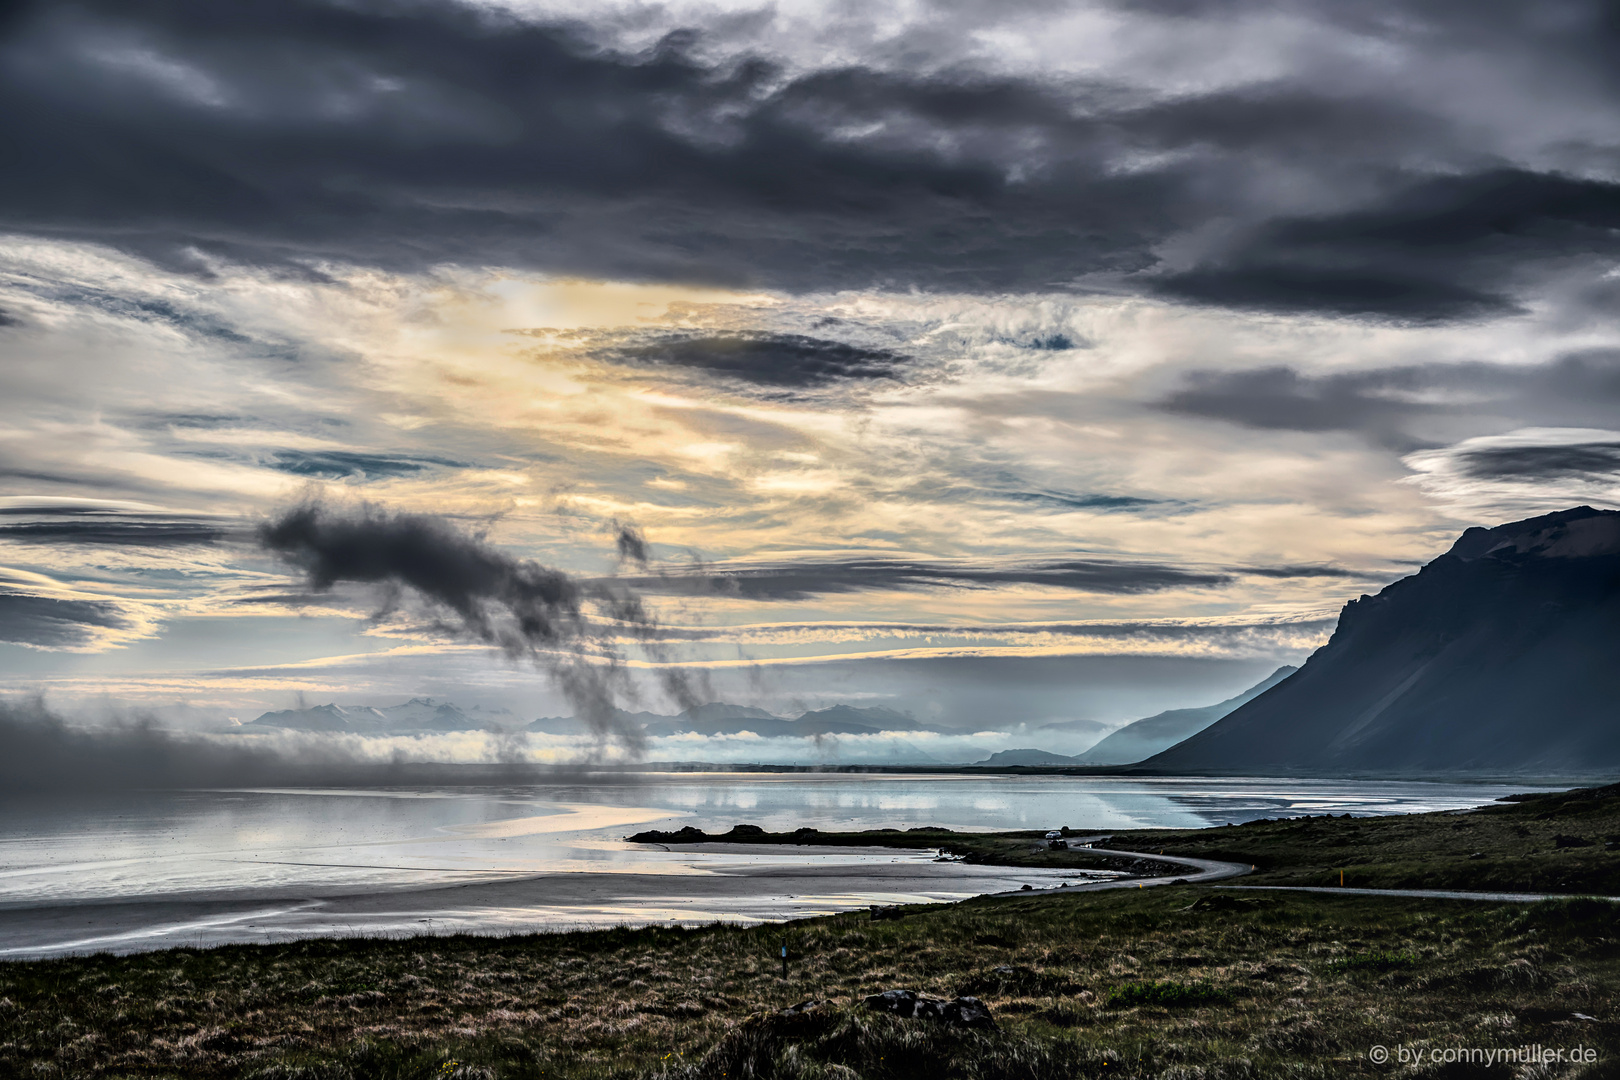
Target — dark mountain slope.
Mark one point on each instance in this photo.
(1500, 656)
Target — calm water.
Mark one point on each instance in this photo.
(201, 867)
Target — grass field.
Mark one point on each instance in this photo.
(1177, 982)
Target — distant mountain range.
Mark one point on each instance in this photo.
(1501, 656)
(1140, 738)
(426, 715)
(719, 718)
(1144, 738)
(415, 715)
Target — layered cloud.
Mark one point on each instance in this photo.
(50, 622)
(1503, 474)
(913, 334)
(1399, 406)
(1320, 168)
(799, 581)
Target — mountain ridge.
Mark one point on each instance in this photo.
(1497, 657)
(424, 715)
(1141, 739)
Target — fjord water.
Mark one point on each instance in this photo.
(154, 869)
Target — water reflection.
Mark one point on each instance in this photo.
(556, 849)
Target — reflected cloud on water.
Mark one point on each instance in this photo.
(146, 870)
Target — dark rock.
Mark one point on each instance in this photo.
(688, 835)
(1563, 840)
(887, 911)
(898, 1002)
(968, 1012)
(804, 1008)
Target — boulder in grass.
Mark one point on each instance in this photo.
(1562, 840)
(968, 1012)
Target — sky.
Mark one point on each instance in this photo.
(1000, 363)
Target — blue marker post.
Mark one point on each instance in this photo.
(784, 961)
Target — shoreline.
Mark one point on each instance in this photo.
(813, 882)
(1183, 975)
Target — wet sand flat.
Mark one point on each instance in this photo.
(728, 886)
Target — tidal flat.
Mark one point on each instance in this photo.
(1175, 981)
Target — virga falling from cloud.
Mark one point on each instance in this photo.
(527, 610)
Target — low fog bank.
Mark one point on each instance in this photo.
(43, 752)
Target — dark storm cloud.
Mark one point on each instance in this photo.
(765, 359)
(349, 465)
(518, 605)
(798, 581)
(525, 609)
(1432, 250)
(1278, 284)
(412, 133)
(1386, 404)
(1577, 461)
(46, 622)
(407, 134)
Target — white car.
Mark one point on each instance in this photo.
(1054, 836)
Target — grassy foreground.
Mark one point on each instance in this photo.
(1557, 843)
(1178, 982)
(1175, 982)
